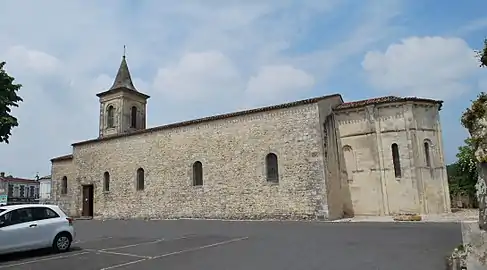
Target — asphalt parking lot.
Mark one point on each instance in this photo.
(223, 245)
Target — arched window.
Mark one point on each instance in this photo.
(396, 160)
(64, 185)
(350, 162)
(110, 116)
(106, 181)
(140, 179)
(272, 168)
(133, 117)
(427, 153)
(197, 174)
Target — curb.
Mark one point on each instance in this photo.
(83, 218)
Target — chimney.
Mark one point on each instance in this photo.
(2, 174)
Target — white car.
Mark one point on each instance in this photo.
(34, 226)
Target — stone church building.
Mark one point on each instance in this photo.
(316, 158)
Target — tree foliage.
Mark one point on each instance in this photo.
(8, 99)
(476, 111)
(482, 55)
(462, 175)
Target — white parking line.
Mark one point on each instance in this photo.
(117, 253)
(42, 260)
(134, 245)
(177, 252)
(146, 243)
(92, 240)
(202, 247)
(124, 264)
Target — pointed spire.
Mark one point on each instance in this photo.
(123, 78)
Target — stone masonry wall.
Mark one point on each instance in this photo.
(122, 102)
(60, 169)
(400, 193)
(359, 146)
(336, 186)
(434, 194)
(232, 152)
(367, 134)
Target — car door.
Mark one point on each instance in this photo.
(18, 231)
(5, 239)
(48, 223)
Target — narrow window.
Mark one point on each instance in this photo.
(396, 160)
(140, 179)
(106, 182)
(64, 185)
(197, 174)
(427, 154)
(350, 163)
(133, 117)
(110, 116)
(272, 168)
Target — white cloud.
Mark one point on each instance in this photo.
(211, 75)
(473, 26)
(21, 58)
(198, 76)
(277, 83)
(434, 67)
(212, 56)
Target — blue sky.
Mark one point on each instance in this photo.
(197, 58)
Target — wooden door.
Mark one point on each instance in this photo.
(88, 200)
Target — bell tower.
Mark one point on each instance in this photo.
(122, 107)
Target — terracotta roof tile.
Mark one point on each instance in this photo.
(16, 179)
(382, 100)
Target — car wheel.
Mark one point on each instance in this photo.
(62, 242)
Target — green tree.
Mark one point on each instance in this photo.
(8, 99)
(482, 54)
(462, 175)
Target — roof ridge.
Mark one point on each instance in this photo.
(383, 99)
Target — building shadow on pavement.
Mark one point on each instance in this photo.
(34, 254)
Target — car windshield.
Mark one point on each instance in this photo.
(1, 210)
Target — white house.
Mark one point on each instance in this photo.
(45, 188)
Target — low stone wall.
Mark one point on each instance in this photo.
(407, 217)
(475, 241)
(464, 201)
